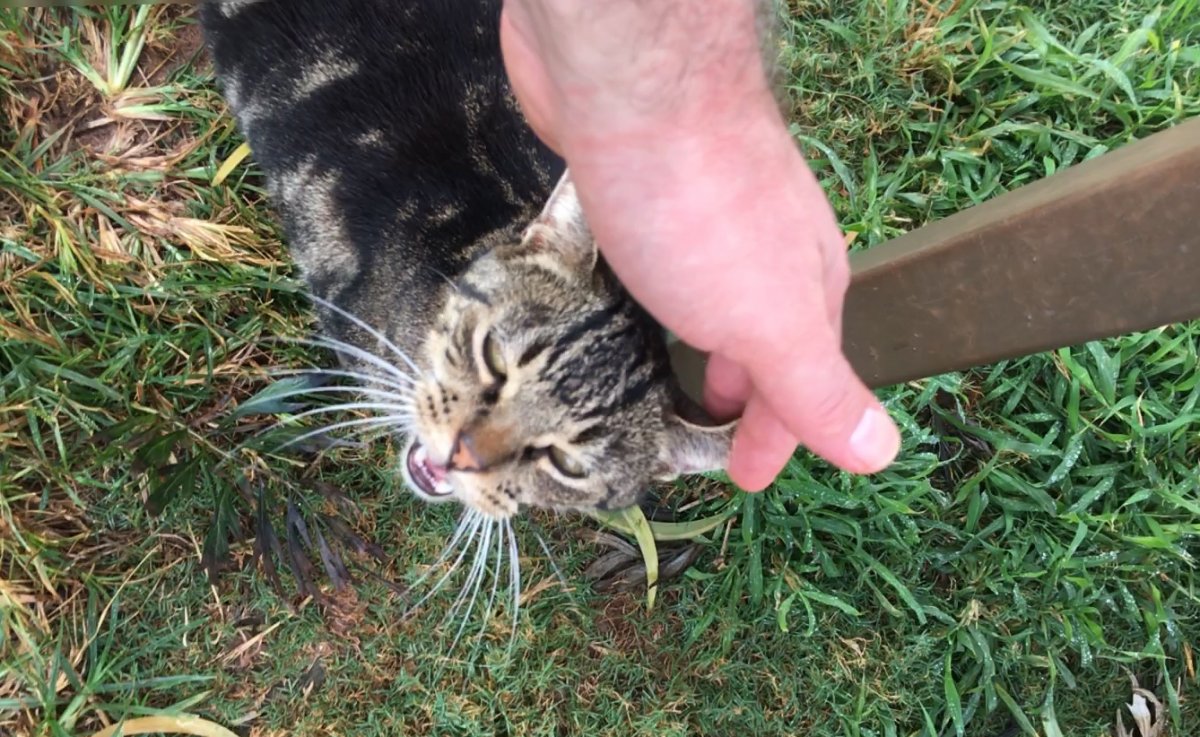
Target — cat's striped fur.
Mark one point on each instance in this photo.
(416, 199)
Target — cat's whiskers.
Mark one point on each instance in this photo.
(449, 282)
(488, 610)
(481, 540)
(375, 333)
(514, 579)
(489, 607)
(464, 523)
(338, 346)
(387, 426)
(348, 349)
(550, 559)
(358, 376)
(325, 429)
(405, 406)
(400, 411)
(474, 581)
(389, 422)
(365, 391)
(536, 528)
(472, 532)
(489, 541)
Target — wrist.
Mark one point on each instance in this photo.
(745, 117)
(698, 170)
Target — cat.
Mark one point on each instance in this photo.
(450, 256)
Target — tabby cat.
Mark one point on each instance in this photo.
(451, 257)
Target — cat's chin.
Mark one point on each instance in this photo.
(427, 480)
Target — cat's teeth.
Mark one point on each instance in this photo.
(430, 477)
(436, 473)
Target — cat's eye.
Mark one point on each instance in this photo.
(493, 358)
(565, 463)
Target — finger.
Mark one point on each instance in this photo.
(836, 280)
(761, 447)
(727, 387)
(824, 404)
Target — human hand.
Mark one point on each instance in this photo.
(706, 211)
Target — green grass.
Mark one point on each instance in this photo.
(1033, 546)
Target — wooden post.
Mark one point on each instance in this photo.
(1100, 249)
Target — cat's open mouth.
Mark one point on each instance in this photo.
(429, 478)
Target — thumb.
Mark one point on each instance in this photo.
(821, 401)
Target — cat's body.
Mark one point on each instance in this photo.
(415, 197)
(391, 143)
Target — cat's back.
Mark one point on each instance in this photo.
(374, 85)
(328, 76)
(388, 133)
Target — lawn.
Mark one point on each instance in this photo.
(1030, 553)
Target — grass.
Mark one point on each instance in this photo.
(1032, 548)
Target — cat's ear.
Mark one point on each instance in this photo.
(692, 446)
(561, 230)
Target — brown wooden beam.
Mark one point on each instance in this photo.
(1103, 248)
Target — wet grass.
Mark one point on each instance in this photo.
(1031, 549)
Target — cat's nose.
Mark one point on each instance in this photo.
(464, 457)
(481, 446)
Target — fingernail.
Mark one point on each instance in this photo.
(875, 441)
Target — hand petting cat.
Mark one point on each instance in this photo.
(706, 210)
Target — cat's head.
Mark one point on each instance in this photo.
(544, 384)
